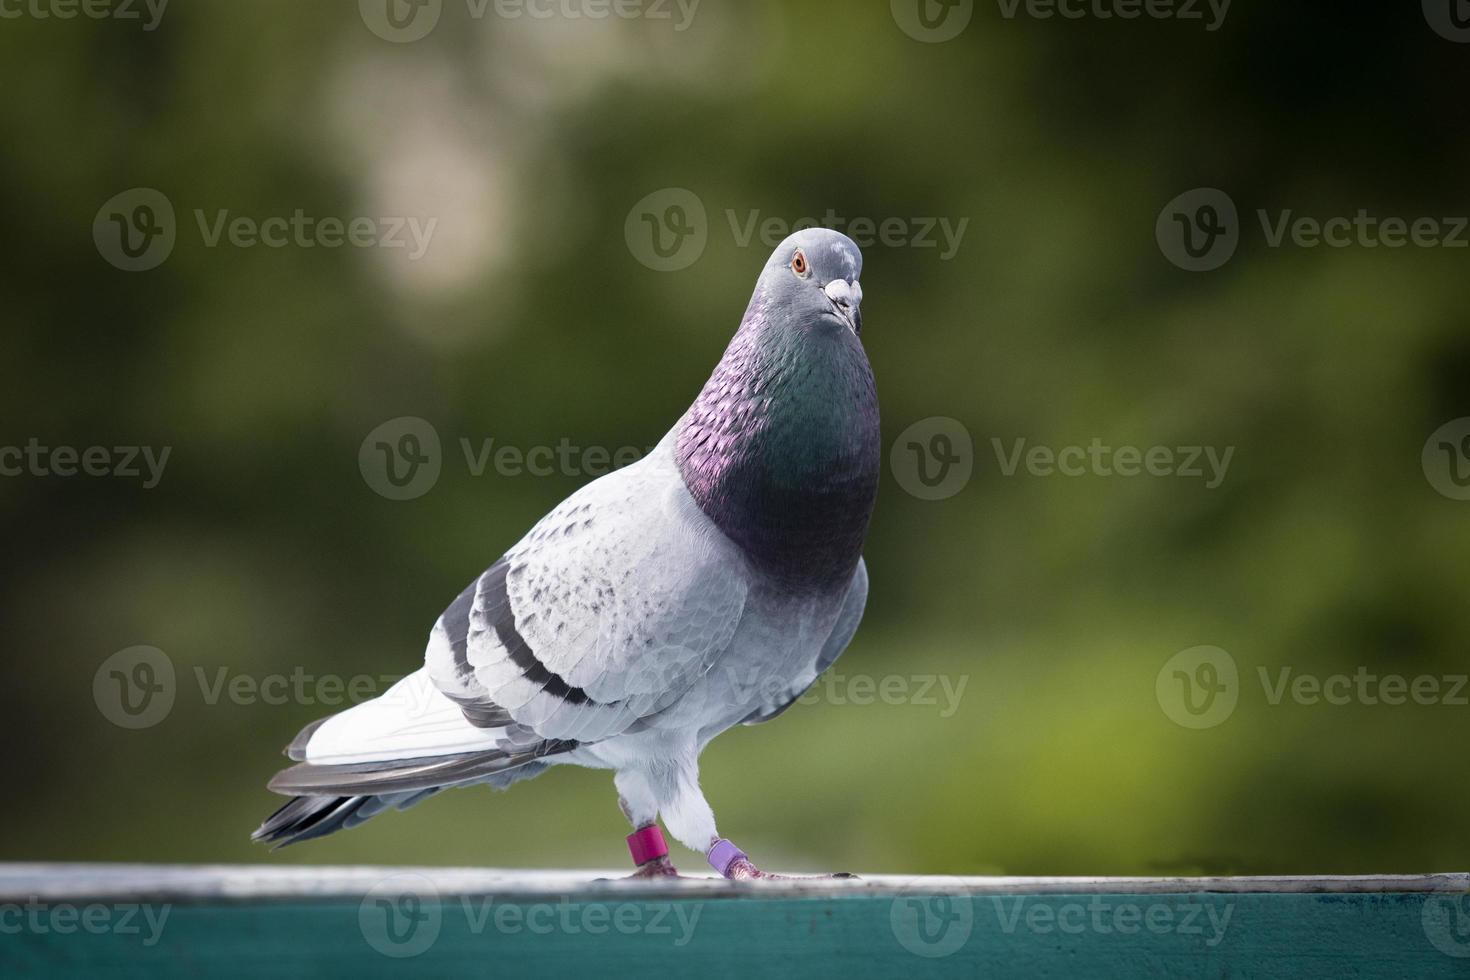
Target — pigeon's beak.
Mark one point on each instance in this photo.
(847, 299)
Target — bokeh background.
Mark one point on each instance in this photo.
(1056, 601)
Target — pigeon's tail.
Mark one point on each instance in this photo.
(393, 752)
(326, 799)
(309, 817)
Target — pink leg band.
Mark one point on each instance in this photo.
(646, 844)
(723, 854)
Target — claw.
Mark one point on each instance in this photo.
(659, 867)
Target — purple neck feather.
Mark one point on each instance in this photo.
(781, 449)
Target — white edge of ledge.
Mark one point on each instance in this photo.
(24, 882)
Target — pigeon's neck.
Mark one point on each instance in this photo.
(781, 450)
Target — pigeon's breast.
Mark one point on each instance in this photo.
(785, 462)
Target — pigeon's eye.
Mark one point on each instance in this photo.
(798, 264)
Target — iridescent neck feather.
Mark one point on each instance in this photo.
(781, 448)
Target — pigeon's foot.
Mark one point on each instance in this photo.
(742, 870)
(659, 867)
(733, 863)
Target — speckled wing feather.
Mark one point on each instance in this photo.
(605, 613)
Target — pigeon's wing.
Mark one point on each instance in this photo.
(605, 613)
(842, 632)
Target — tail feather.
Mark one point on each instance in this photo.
(326, 799)
(435, 772)
(309, 817)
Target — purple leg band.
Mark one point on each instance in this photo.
(724, 854)
(647, 844)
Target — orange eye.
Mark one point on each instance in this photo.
(798, 263)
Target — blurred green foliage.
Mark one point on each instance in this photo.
(1055, 600)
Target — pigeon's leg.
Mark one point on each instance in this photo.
(692, 822)
(646, 843)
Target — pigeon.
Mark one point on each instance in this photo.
(706, 585)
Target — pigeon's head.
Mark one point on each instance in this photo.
(812, 279)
